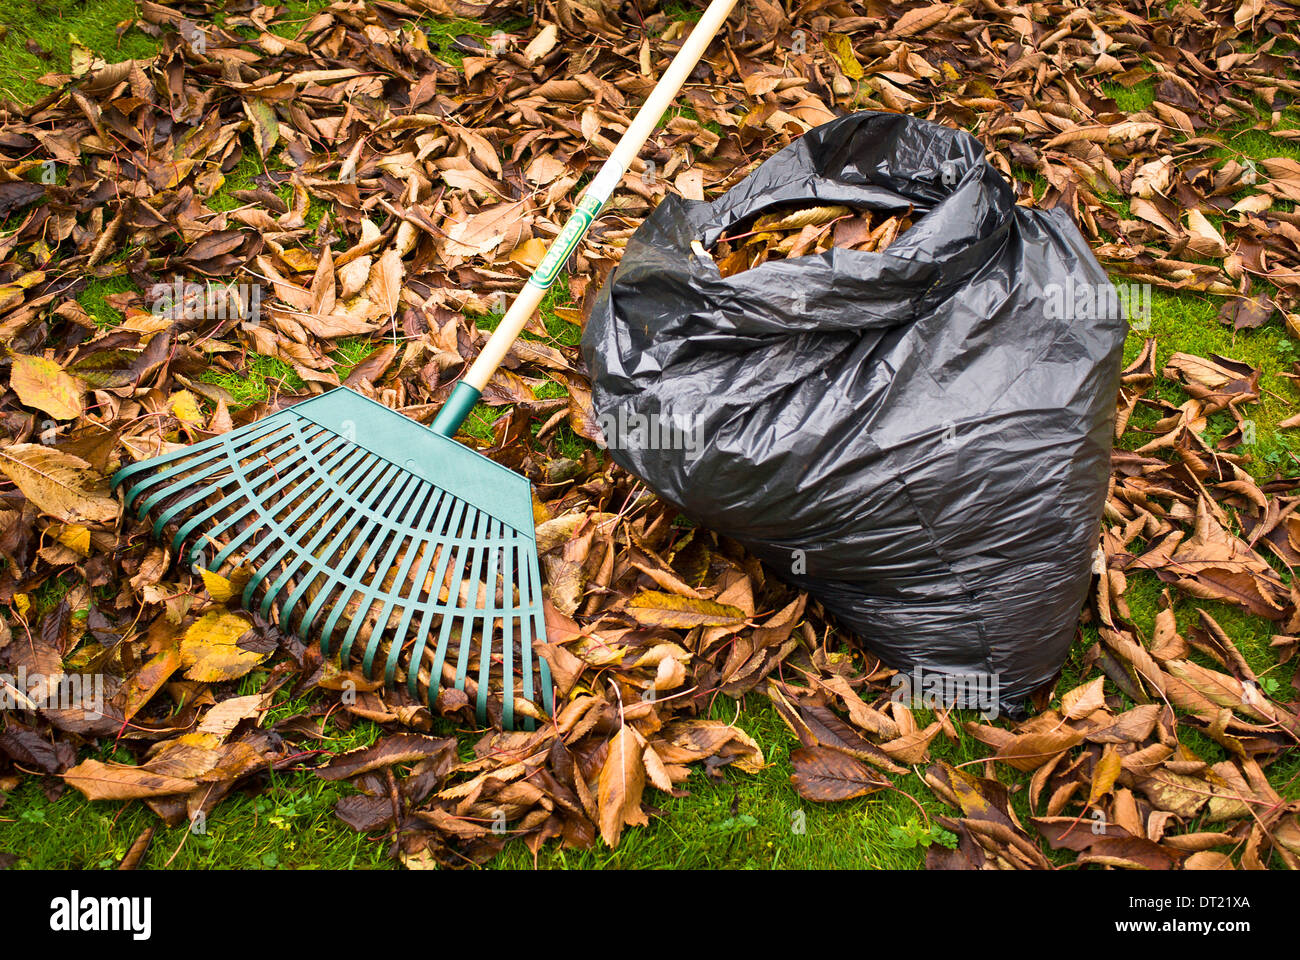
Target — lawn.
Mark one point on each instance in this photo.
(736, 820)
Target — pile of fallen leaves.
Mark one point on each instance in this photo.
(785, 234)
(1109, 778)
(400, 194)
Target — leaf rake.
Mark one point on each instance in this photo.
(388, 540)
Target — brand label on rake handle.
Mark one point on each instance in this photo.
(566, 242)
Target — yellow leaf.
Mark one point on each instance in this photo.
(1107, 772)
(841, 48)
(221, 588)
(148, 680)
(658, 609)
(75, 537)
(42, 384)
(218, 587)
(185, 407)
(529, 253)
(299, 260)
(23, 603)
(209, 651)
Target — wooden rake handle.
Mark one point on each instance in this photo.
(598, 192)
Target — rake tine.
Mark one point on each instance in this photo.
(507, 635)
(184, 478)
(489, 622)
(445, 555)
(351, 470)
(539, 630)
(265, 491)
(467, 616)
(395, 597)
(347, 572)
(230, 500)
(449, 610)
(430, 547)
(254, 430)
(371, 593)
(373, 483)
(262, 517)
(382, 489)
(281, 527)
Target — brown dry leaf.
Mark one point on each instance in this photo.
(622, 781)
(658, 609)
(823, 774)
(385, 286)
(1084, 699)
(401, 748)
(58, 483)
(1104, 776)
(542, 44)
(913, 747)
(798, 231)
(119, 781)
(1206, 241)
(1028, 751)
(135, 855)
(148, 680)
(482, 233)
(226, 715)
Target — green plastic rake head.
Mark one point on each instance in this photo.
(378, 535)
(363, 527)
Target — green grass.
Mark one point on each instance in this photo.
(256, 381)
(441, 34)
(680, 11)
(754, 821)
(260, 377)
(1188, 323)
(1131, 99)
(759, 821)
(49, 23)
(1248, 144)
(559, 332)
(241, 178)
(288, 822)
(737, 820)
(94, 298)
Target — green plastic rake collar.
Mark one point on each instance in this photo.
(359, 522)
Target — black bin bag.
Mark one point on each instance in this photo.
(919, 437)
